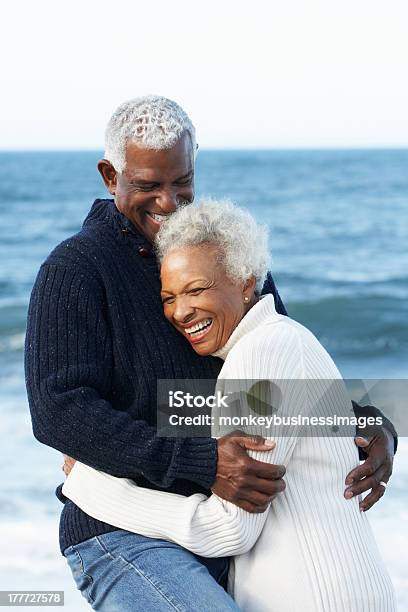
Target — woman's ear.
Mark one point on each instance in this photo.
(109, 175)
(249, 288)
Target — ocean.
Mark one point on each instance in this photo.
(338, 234)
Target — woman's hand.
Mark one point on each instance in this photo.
(376, 468)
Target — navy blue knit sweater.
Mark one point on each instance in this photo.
(96, 343)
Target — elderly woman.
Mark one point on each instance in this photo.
(311, 549)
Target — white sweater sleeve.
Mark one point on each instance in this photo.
(210, 527)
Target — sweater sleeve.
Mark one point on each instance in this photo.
(270, 287)
(209, 527)
(69, 368)
(372, 411)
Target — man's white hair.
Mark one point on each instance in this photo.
(242, 242)
(154, 122)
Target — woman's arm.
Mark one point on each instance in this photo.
(210, 527)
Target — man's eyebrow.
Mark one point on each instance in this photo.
(180, 178)
(141, 181)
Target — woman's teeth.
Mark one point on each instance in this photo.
(195, 329)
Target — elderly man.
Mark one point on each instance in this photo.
(97, 342)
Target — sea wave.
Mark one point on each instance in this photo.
(30, 560)
(367, 325)
(13, 342)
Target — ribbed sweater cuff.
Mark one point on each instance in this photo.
(372, 411)
(196, 461)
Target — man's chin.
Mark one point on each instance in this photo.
(150, 237)
(150, 232)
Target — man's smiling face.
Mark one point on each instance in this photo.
(153, 183)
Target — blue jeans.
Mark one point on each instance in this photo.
(122, 572)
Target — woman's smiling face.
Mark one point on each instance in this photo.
(199, 299)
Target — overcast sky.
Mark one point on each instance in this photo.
(274, 73)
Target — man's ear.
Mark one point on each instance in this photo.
(109, 175)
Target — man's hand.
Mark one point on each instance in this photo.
(375, 469)
(245, 482)
(67, 465)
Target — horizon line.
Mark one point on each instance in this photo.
(219, 149)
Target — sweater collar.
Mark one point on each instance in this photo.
(105, 211)
(261, 311)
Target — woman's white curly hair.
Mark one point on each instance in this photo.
(243, 243)
(152, 121)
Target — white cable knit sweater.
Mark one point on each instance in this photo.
(312, 550)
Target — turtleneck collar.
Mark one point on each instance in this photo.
(261, 311)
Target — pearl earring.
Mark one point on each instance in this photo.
(246, 299)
